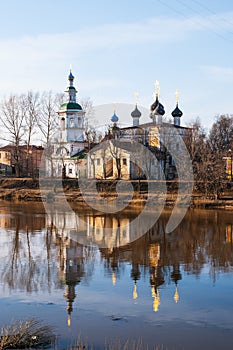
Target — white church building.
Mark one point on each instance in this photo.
(70, 138)
(71, 157)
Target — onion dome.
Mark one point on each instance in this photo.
(114, 118)
(136, 113)
(155, 104)
(71, 106)
(177, 112)
(159, 109)
(71, 77)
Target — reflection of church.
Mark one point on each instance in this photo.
(71, 268)
(103, 230)
(72, 233)
(144, 254)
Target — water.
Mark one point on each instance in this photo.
(173, 291)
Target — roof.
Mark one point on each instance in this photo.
(177, 112)
(152, 125)
(9, 148)
(136, 113)
(70, 77)
(114, 118)
(71, 88)
(154, 104)
(80, 155)
(71, 105)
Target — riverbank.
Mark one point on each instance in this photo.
(49, 190)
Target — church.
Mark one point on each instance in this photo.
(70, 137)
(74, 157)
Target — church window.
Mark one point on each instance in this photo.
(71, 122)
(124, 161)
(98, 161)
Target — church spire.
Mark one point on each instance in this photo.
(177, 113)
(157, 109)
(136, 114)
(71, 91)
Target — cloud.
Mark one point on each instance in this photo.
(28, 61)
(219, 73)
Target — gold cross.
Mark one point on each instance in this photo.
(136, 96)
(157, 89)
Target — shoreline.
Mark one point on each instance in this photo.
(50, 190)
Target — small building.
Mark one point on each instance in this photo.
(29, 160)
(5, 162)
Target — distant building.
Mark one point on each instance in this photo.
(29, 160)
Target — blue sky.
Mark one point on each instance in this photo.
(119, 47)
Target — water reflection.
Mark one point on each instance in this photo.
(199, 243)
(41, 252)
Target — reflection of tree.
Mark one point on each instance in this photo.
(27, 267)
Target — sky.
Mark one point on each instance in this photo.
(119, 47)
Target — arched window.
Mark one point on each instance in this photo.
(71, 122)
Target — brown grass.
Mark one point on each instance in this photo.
(31, 334)
(26, 334)
(117, 345)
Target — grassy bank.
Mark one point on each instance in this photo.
(27, 189)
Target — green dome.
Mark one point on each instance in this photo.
(71, 105)
(70, 88)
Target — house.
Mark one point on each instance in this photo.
(28, 161)
(5, 161)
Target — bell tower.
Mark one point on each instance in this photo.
(71, 116)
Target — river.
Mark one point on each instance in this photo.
(165, 290)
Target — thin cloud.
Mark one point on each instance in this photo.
(26, 62)
(219, 73)
(153, 30)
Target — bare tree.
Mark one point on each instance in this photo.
(87, 106)
(116, 153)
(220, 141)
(221, 134)
(47, 120)
(32, 106)
(13, 119)
(208, 154)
